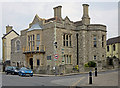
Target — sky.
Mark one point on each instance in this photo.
(20, 14)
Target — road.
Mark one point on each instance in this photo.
(109, 78)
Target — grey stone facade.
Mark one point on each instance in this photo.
(53, 30)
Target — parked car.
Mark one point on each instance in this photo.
(25, 72)
(11, 70)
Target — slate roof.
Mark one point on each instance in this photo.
(9, 33)
(113, 40)
(35, 27)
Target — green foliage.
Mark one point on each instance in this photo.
(90, 64)
(86, 65)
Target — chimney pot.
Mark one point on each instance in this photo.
(57, 11)
(85, 18)
(8, 28)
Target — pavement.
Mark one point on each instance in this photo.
(109, 78)
(45, 75)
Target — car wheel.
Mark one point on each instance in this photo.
(12, 73)
(19, 74)
(31, 75)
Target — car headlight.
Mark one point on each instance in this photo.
(16, 71)
(22, 71)
(31, 71)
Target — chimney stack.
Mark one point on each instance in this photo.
(8, 28)
(57, 11)
(85, 18)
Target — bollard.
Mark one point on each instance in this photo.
(96, 72)
(90, 77)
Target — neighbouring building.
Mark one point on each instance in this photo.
(60, 43)
(6, 43)
(113, 51)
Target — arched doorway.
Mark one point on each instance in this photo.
(31, 62)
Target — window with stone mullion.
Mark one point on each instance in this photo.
(66, 40)
(103, 40)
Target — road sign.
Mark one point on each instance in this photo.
(56, 56)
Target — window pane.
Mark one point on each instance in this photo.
(66, 37)
(66, 43)
(33, 45)
(63, 43)
(108, 48)
(94, 38)
(114, 47)
(67, 59)
(38, 37)
(70, 58)
(94, 57)
(38, 62)
(38, 43)
(102, 37)
(70, 40)
(48, 57)
(95, 44)
(33, 37)
(64, 40)
(102, 44)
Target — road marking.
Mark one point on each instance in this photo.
(78, 81)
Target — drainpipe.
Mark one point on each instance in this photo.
(77, 50)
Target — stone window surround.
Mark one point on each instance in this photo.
(16, 45)
(32, 41)
(65, 58)
(94, 38)
(95, 57)
(69, 40)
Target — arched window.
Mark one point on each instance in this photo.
(17, 45)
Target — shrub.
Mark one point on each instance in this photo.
(90, 64)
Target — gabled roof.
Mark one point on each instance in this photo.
(37, 18)
(113, 40)
(9, 33)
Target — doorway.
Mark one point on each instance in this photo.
(31, 63)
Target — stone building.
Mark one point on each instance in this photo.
(113, 51)
(62, 43)
(6, 43)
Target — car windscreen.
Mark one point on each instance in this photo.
(9, 68)
(24, 68)
(15, 68)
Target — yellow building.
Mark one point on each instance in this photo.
(113, 50)
(6, 43)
